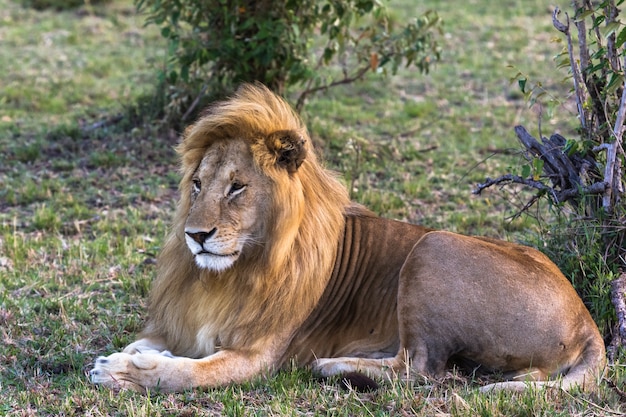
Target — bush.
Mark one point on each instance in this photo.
(216, 44)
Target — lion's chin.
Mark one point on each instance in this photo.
(216, 263)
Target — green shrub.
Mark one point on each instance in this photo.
(214, 45)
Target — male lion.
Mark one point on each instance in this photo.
(268, 262)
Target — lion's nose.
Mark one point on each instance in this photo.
(201, 237)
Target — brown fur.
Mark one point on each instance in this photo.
(285, 267)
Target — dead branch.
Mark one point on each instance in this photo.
(514, 179)
(347, 79)
(613, 169)
(556, 196)
(194, 104)
(571, 175)
(580, 98)
(583, 51)
(618, 390)
(110, 121)
(558, 167)
(618, 298)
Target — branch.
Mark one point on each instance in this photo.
(583, 51)
(345, 80)
(611, 155)
(564, 28)
(193, 105)
(514, 179)
(618, 298)
(557, 197)
(557, 165)
(103, 123)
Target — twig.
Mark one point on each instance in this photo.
(611, 155)
(346, 80)
(564, 28)
(610, 42)
(582, 40)
(194, 104)
(103, 123)
(526, 207)
(514, 179)
(557, 197)
(618, 298)
(619, 391)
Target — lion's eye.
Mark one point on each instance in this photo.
(236, 188)
(196, 186)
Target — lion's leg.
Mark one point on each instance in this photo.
(147, 345)
(387, 368)
(520, 380)
(141, 371)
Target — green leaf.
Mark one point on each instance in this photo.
(526, 170)
(584, 15)
(571, 146)
(562, 60)
(609, 29)
(621, 38)
(598, 21)
(616, 80)
(522, 84)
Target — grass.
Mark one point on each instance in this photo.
(83, 211)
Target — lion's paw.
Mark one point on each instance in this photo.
(123, 370)
(113, 371)
(331, 366)
(137, 371)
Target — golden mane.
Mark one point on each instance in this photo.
(305, 223)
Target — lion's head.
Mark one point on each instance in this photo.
(259, 218)
(231, 214)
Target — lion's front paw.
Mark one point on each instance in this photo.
(114, 371)
(139, 371)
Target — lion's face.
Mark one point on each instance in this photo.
(229, 200)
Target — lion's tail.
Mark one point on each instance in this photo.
(585, 374)
(588, 371)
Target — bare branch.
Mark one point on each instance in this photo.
(618, 299)
(580, 95)
(556, 196)
(526, 207)
(583, 51)
(194, 104)
(346, 80)
(557, 165)
(103, 123)
(514, 179)
(611, 14)
(612, 166)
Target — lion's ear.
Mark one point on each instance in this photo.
(288, 147)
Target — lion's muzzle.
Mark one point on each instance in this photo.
(210, 251)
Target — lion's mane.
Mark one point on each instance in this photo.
(255, 297)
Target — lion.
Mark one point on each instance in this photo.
(268, 263)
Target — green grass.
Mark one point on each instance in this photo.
(83, 212)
